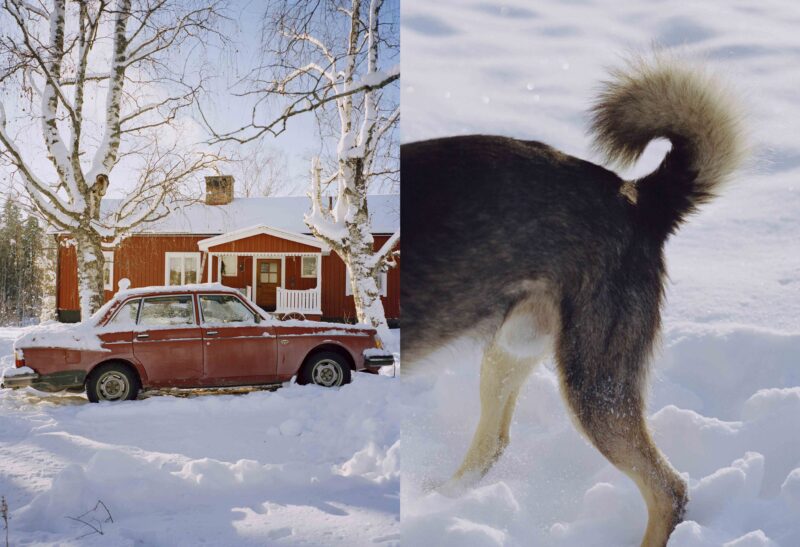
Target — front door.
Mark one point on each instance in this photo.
(268, 279)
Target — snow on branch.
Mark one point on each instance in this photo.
(385, 257)
(321, 221)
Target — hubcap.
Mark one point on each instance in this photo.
(113, 386)
(327, 373)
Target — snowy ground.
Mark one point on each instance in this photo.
(725, 400)
(300, 466)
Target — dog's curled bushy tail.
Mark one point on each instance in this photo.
(656, 98)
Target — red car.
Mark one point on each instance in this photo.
(195, 336)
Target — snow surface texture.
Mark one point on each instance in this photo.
(725, 397)
(300, 466)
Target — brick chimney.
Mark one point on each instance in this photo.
(219, 190)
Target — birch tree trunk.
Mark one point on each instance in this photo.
(367, 299)
(90, 273)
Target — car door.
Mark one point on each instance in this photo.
(117, 333)
(238, 348)
(168, 341)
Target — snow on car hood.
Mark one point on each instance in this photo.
(77, 336)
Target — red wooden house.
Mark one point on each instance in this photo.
(259, 245)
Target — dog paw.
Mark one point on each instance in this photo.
(458, 486)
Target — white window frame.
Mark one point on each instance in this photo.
(169, 255)
(316, 265)
(108, 256)
(235, 272)
(348, 290)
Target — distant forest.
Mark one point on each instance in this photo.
(21, 269)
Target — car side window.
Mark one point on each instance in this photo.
(167, 311)
(224, 308)
(126, 316)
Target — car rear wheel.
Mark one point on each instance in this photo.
(112, 382)
(327, 369)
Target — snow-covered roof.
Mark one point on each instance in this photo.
(282, 212)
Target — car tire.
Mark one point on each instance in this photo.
(326, 369)
(112, 382)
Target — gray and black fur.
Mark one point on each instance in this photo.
(499, 233)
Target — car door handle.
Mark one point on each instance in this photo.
(143, 335)
(211, 332)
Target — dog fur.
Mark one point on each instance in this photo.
(542, 253)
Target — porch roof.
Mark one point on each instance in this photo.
(207, 244)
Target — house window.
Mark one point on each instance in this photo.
(348, 290)
(268, 271)
(308, 266)
(229, 266)
(108, 270)
(182, 268)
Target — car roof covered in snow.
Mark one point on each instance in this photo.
(158, 289)
(123, 294)
(283, 212)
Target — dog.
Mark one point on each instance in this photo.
(541, 253)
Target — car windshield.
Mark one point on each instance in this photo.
(167, 311)
(223, 308)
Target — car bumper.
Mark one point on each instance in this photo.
(376, 361)
(57, 381)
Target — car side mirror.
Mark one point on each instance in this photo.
(258, 319)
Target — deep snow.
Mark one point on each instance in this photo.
(300, 466)
(725, 396)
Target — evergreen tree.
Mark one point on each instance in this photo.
(20, 273)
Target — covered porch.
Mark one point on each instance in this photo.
(280, 271)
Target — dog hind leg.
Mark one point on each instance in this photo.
(603, 386)
(622, 437)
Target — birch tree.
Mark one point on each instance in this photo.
(327, 57)
(96, 77)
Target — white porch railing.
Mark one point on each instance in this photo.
(306, 302)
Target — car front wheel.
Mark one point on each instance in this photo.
(112, 382)
(325, 369)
